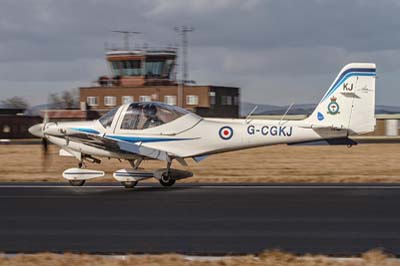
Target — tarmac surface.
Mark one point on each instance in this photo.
(194, 219)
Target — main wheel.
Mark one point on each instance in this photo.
(166, 180)
(76, 183)
(129, 184)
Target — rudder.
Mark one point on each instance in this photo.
(350, 101)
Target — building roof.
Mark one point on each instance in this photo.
(64, 114)
(156, 52)
(4, 110)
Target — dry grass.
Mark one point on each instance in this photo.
(273, 258)
(363, 163)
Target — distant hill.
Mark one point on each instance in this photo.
(245, 109)
(300, 109)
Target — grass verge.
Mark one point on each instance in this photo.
(362, 163)
(270, 258)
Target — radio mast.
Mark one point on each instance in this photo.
(183, 31)
(126, 35)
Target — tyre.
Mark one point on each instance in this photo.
(166, 180)
(129, 184)
(76, 183)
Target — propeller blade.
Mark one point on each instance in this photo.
(45, 117)
(45, 144)
(46, 158)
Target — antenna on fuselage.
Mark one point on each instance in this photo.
(287, 111)
(248, 120)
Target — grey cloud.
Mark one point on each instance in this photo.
(274, 50)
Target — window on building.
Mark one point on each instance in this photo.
(6, 129)
(212, 97)
(127, 68)
(92, 100)
(229, 100)
(110, 100)
(116, 68)
(170, 99)
(192, 100)
(158, 68)
(144, 98)
(236, 100)
(226, 100)
(126, 99)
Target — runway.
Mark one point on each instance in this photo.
(208, 219)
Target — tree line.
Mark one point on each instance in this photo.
(67, 99)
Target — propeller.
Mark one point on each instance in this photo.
(45, 144)
(38, 131)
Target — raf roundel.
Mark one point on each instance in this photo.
(226, 132)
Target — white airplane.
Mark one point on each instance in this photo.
(156, 131)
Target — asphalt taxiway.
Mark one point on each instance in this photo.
(199, 219)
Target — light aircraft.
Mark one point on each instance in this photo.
(156, 131)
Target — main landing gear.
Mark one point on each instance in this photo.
(166, 179)
(76, 183)
(129, 177)
(129, 184)
(77, 176)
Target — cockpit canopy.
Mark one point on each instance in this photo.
(107, 119)
(144, 115)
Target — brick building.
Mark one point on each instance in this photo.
(14, 123)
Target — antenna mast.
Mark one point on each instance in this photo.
(182, 31)
(126, 35)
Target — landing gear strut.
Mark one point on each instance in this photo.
(81, 164)
(78, 183)
(166, 178)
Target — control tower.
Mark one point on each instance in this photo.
(142, 67)
(143, 75)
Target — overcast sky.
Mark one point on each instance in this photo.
(277, 51)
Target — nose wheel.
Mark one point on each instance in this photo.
(166, 180)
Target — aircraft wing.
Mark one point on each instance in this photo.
(351, 140)
(93, 141)
(115, 145)
(333, 141)
(376, 139)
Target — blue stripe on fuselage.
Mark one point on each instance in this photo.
(86, 130)
(145, 139)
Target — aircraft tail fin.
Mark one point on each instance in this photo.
(349, 102)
